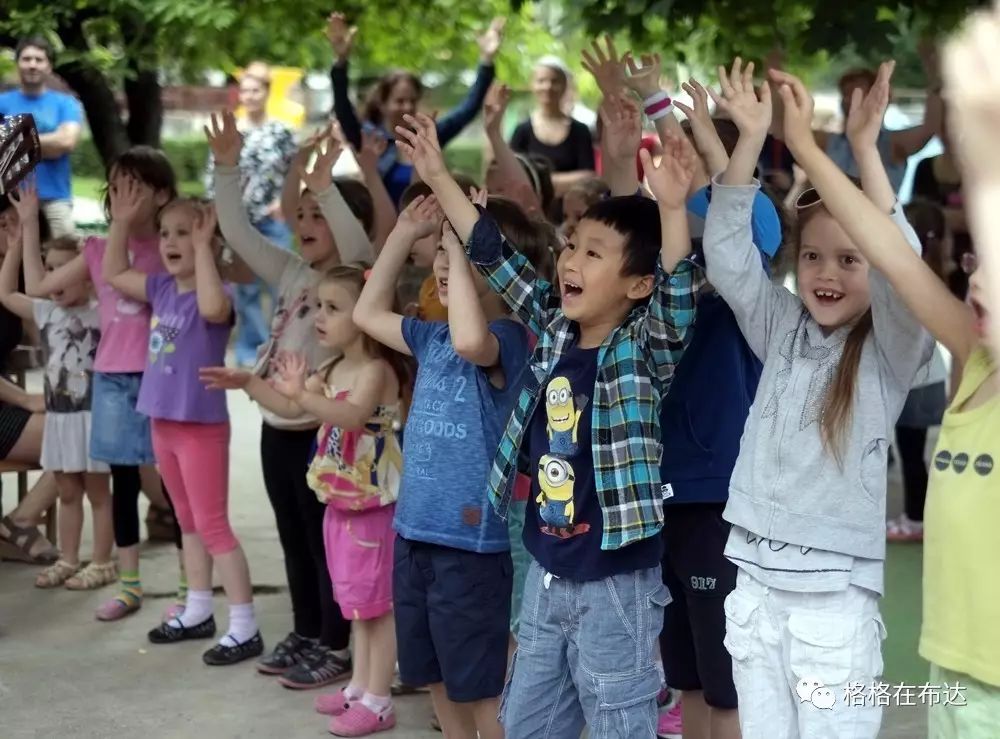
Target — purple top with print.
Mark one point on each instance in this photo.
(181, 342)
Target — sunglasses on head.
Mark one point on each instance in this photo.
(807, 199)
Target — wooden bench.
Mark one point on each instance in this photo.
(22, 359)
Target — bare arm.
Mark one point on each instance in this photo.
(470, 331)
(350, 413)
(265, 395)
(61, 141)
(116, 268)
(16, 302)
(373, 313)
(908, 141)
(372, 146)
(214, 303)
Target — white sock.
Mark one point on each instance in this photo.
(376, 703)
(198, 609)
(344, 654)
(353, 692)
(242, 624)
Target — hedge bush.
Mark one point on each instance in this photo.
(189, 156)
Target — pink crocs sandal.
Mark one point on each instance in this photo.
(333, 704)
(359, 720)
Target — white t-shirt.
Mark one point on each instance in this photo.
(801, 569)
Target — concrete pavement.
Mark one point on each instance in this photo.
(64, 674)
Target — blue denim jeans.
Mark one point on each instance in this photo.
(585, 657)
(252, 327)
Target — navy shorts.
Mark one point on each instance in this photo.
(452, 610)
(694, 623)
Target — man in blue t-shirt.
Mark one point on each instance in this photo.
(57, 117)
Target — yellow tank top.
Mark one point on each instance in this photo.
(961, 624)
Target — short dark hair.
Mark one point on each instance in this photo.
(35, 42)
(359, 200)
(148, 165)
(62, 243)
(637, 219)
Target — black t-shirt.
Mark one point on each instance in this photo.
(575, 152)
(563, 523)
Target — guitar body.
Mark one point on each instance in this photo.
(20, 150)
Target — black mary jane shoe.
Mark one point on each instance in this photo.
(226, 654)
(167, 633)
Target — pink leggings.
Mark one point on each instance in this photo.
(194, 463)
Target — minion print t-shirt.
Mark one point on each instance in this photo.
(563, 523)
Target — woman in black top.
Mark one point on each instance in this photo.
(551, 133)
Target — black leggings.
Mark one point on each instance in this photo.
(911, 443)
(125, 487)
(285, 457)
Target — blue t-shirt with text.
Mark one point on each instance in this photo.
(451, 437)
(50, 109)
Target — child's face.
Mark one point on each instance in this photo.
(424, 251)
(176, 243)
(441, 265)
(334, 320)
(832, 274)
(591, 282)
(315, 237)
(977, 300)
(76, 293)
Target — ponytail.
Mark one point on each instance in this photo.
(838, 406)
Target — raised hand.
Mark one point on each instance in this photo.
(290, 379)
(126, 199)
(25, 199)
(864, 121)
(494, 108)
(340, 35)
(749, 111)
(478, 197)
(698, 113)
(224, 378)
(644, 80)
(224, 140)
(492, 38)
(420, 218)
(798, 111)
(670, 181)
(622, 127)
(449, 239)
(373, 146)
(321, 176)
(421, 146)
(203, 230)
(606, 67)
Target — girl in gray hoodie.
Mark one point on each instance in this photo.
(807, 496)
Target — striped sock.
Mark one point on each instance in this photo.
(182, 589)
(131, 592)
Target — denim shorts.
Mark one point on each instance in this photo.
(452, 611)
(585, 657)
(119, 433)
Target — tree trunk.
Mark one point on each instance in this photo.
(145, 108)
(98, 99)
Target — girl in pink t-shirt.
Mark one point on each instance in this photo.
(192, 319)
(120, 434)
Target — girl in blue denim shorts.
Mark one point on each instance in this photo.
(120, 435)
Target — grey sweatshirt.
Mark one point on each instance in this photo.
(292, 327)
(785, 485)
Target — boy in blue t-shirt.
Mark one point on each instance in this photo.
(586, 421)
(453, 575)
(57, 118)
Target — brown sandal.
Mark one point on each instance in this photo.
(56, 574)
(93, 576)
(17, 543)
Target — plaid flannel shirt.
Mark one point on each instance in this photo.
(636, 366)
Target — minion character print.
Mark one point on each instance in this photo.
(556, 478)
(563, 416)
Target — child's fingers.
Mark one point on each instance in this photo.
(688, 113)
(747, 77)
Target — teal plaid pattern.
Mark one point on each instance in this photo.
(636, 366)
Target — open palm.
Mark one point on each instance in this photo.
(670, 180)
(751, 113)
(864, 121)
(224, 139)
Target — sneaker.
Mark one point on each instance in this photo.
(904, 529)
(230, 653)
(671, 723)
(173, 631)
(287, 653)
(360, 720)
(333, 704)
(318, 668)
